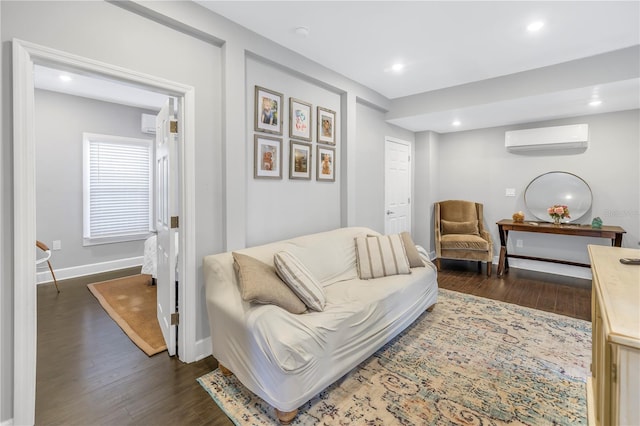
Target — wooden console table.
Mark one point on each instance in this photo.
(614, 233)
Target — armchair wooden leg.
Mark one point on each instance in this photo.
(430, 308)
(489, 267)
(286, 417)
(437, 262)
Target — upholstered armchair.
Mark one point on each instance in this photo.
(460, 233)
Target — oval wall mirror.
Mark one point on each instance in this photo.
(558, 188)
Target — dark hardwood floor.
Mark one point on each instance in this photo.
(89, 372)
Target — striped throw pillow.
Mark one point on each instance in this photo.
(381, 256)
(300, 280)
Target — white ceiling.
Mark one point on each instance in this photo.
(450, 43)
(88, 86)
(443, 44)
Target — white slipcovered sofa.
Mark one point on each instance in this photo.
(288, 358)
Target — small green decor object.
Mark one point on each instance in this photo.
(596, 223)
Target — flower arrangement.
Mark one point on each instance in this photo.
(557, 212)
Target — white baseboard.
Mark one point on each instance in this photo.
(8, 422)
(547, 267)
(551, 268)
(95, 268)
(203, 348)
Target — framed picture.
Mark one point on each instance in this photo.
(325, 169)
(326, 126)
(267, 157)
(299, 119)
(268, 111)
(300, 160)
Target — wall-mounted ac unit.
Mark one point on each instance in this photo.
(573, 136)
(149, 124)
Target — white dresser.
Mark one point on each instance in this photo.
(613, 390)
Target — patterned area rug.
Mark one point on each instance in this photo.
(472, 361)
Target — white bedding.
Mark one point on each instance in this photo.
(285, 358)
(150, 260)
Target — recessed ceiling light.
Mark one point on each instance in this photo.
(595, 102)
(302, 31)
(397, 67)
(65, 77)
(456, 123)
(535, 26)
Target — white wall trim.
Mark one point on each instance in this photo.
(203, 348)
(8, 422)
(44, 277)
(25, 56)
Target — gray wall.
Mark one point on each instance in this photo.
(222, 61)
(370, 164)
(278, 209)
(87, 29)
(474, 165)
(60, 121)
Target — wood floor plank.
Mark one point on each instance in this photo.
(90, 373)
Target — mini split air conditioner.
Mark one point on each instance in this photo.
(149, 124)
(575, 136)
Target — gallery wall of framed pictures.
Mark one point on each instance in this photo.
(269, 122)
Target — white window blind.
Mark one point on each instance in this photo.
(117, 188)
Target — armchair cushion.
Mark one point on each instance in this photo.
(464, 242)
(450, 227)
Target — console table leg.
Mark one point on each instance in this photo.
(501, 260)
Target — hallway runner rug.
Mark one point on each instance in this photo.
(131, 303)
(472, 361)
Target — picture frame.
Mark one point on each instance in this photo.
(268, 111)
(326, 119)
(267, 154)
(300, 119)
(300, 160)
(326, 166)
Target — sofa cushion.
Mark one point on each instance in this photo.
(380, 256)
(300, 280)
(260, 284)
(463, 242)
(415, 261)
(469, 228)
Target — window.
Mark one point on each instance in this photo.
(117, 182)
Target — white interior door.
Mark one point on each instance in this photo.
(166, 227)
(397, 186)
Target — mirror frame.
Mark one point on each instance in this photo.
(540, 211)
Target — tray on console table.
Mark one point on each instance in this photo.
(614, 233)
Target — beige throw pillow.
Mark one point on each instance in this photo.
(260, 284)
(300, 280)
(449, 227)
(381, 256)
(415, 261)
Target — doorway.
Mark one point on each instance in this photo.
(397, 186)
(25, 56)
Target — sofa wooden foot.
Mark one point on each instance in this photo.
(430, 308)
(286, 417)
(437, 263)
(224, 370)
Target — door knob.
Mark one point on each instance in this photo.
(389, 212)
